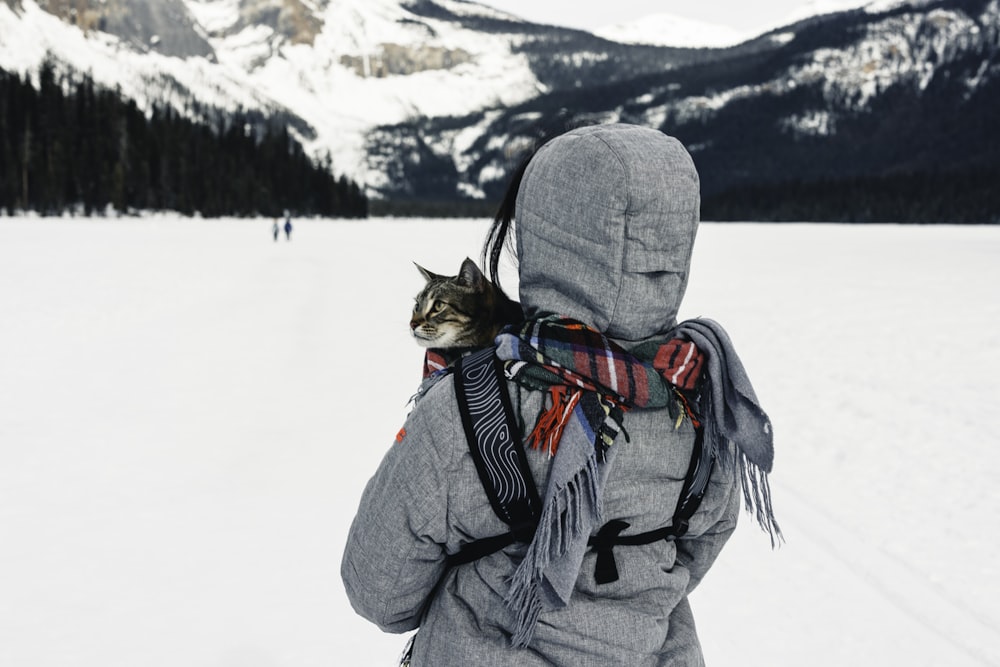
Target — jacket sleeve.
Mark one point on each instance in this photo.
(394, 555)
(718, 512)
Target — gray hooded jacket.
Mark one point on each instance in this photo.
(606, 219)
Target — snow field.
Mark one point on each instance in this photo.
(189, 411)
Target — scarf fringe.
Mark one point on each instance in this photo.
(529, 608)
(562, 523)
(551, 423)
(757, 499)
(554, 352)
(753, 479)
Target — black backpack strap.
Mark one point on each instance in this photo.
(488, 545)
(492, 433)
(695, 484)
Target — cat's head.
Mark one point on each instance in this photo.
(454, 311)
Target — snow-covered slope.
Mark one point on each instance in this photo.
(342, 66)
(671, 30)
(30, 35)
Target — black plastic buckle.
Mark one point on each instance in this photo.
(606, 570)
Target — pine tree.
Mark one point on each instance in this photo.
(65, 145)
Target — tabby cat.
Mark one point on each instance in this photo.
(456, 313)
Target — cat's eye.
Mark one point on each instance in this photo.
(437, 306)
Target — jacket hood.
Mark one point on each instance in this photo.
(606, 218)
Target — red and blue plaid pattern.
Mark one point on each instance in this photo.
(558, 350)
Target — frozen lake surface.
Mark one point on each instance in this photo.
(189, 411)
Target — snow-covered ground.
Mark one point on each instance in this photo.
(189, 411)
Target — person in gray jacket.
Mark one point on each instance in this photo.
(606, 218)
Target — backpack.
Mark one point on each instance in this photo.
(491, 431)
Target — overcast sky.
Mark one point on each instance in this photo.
(743, 15)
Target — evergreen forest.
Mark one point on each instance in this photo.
(71, 146)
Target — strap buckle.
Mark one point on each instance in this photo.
(606, 569)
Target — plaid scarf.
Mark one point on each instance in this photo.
(592, 382)
(573, 362)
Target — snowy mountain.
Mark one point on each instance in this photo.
(337, 68)
(671, 30)
(890, 101)
(340, 66)
(433, 99)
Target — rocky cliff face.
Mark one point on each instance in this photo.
(402, 60)
(162, 26)
(293, 20)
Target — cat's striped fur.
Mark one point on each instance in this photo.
(462, 311)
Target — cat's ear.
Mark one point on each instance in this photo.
(428, 276)
(470, 274)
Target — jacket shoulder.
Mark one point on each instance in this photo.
(435, 421)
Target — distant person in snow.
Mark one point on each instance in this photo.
(288, 226)
(275, 230)
(641, 434)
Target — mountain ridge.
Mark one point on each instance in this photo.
(664, 29)
(434, 99)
